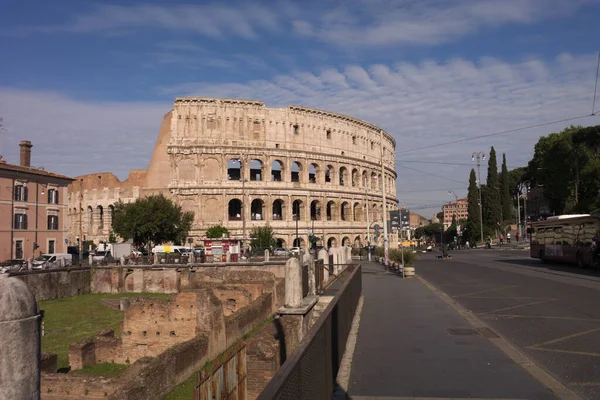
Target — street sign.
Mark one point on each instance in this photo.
(66, 241)
(395, 221)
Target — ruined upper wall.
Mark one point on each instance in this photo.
(230, 122)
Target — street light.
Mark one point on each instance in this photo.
(522, 190)
(480, 157)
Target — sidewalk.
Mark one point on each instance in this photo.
(404, 349)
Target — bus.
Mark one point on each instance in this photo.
(565, 238)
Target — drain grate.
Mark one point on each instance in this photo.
(463, 332)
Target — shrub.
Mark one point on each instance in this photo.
(379, 252)
(409, 257)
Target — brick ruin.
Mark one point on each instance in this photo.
(165, 341)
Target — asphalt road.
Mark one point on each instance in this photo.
(551, 313)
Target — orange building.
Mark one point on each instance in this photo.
(33, 209)
(458, 209)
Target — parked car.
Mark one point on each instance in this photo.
(295, 250)
(12, 266)
(279, 251)
(101, 255)
(47, 261)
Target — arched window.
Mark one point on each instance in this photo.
(373, 180)
(357, 242)
(256, 170)
(329, 174)
(296, 171)
(276, 171)
(234, 170)
(278, 210)
(343, 176)
(111, 214)
(90, 219)
(299, 242)
(297, 210)
(357, 211)
(331, 211)
(365, 179)
(355, 179)
(346, 241)
(235, 210)
(344, 211)
(313, 173)
(331, 242)
(315, 210)
(256, 210)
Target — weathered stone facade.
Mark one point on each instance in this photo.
(236, 161)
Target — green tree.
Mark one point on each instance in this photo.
(473, 226)
(111, 237)
(493, 207)
(217, 231)
(440, 216)
(453, 223)
(262, 237)
(153, 219)
(505, 199)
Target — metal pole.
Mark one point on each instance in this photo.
(525, 216)
(519, 211)
(80, 222)
(480, 206)
(242, 171)
(368, 230)
(385, 229)
(37, 217)
(297, 218)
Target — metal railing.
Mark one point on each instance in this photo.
(310, 372)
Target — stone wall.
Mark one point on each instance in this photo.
(56, 284)
(68, 386)
(242, 322)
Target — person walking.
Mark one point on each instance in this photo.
(517, 236)
(501, 239)
(508, 238)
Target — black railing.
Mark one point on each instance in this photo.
(311, 370)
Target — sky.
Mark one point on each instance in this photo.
(88, 82)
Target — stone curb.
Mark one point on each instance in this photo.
(547, 380)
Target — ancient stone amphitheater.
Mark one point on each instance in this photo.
(242, 165)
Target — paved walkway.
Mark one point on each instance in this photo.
(405, 350)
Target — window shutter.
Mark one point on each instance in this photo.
(56, 196)
(25, 220)
(25, 193)
(49, 222)
(16, 221)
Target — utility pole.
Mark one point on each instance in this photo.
(519, 212)
(80, 222)
(243, 176)
(385, 229)
(480, 156)
(368, 231)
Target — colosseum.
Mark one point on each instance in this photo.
(240, 164)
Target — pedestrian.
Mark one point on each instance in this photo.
(501, 239)
(517, 236)
(508, 238)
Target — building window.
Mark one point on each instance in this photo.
(328, 133)
(52, 222)
(295, 129)
(372, 145)
(20, 221)
(20, 193)
(52, 196)
(51, 246)
(354, 140)
(19, 249)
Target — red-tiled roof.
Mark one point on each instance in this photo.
(33, 171)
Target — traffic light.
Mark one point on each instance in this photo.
(35, 246)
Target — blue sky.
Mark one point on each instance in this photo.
(88, 82)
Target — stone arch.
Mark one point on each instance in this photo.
(296, 171)
(278, 209)
(345, 211)
(90, 219)
(346, 241)
(299, 242)
(210, 211)
(365, 179)
(235, 210)
(256, 170)
(329, 174)
(110, 216)
(357, 241)
(355, 178)
(234, 169)
(357, 212)
(298, 210)
(379, 182)
(331, 211)
(276, 171)
(343, 176)
(332, 241)
(280, 242)
(373, 180)
(212, 169)
(313, 173)
(315, 210)
(257, 210)
(100, 217)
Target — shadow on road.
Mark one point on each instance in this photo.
(551, 267)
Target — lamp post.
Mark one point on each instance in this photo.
(368, 224)
(480, 157)
(385, 229)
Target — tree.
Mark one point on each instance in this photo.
(262, 237)
(473, 227)
(153, 219)
(453, 223)
(217, 231)
(493, 208)
(111, 237)
(440, 216)
(505, 199)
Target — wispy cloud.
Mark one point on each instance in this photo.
(214, 20)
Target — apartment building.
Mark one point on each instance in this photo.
(33, 209)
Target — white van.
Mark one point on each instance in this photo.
(169, 249)
(54, 260)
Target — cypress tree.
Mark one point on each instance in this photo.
(507, 209)
(473, 222)
(492, 194)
